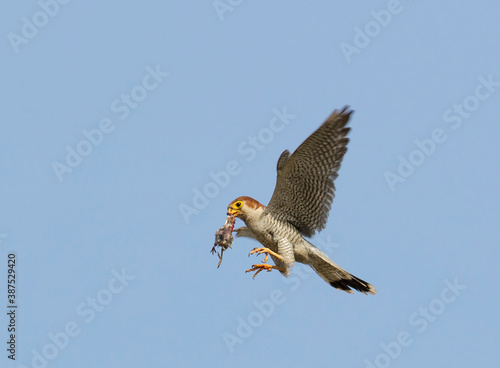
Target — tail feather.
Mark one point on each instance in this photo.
(335, 275)
(355, 283)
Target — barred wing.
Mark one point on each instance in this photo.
(305, 187)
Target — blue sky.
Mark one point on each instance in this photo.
(127, 129)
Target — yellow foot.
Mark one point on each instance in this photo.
(262, 267)
(267, 252)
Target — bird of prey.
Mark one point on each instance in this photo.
(300, 206)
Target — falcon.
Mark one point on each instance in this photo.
(300, 206)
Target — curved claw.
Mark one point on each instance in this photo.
(261, 267)
(265, 251)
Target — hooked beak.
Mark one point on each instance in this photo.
(232, 211)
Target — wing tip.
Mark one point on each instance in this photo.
(340, 118)
(345, 112)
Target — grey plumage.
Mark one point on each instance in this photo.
(304, 187)
(301, 203)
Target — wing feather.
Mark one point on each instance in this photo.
(305, 187)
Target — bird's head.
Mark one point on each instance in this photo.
(245, 208)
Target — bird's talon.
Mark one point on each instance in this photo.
(261, 267)
(265, 251)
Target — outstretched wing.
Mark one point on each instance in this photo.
(304, 188)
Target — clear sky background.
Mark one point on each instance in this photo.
(126, 129)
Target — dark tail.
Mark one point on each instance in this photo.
(335, 275)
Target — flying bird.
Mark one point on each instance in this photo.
(300, 206)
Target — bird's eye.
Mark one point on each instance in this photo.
(237, 204)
